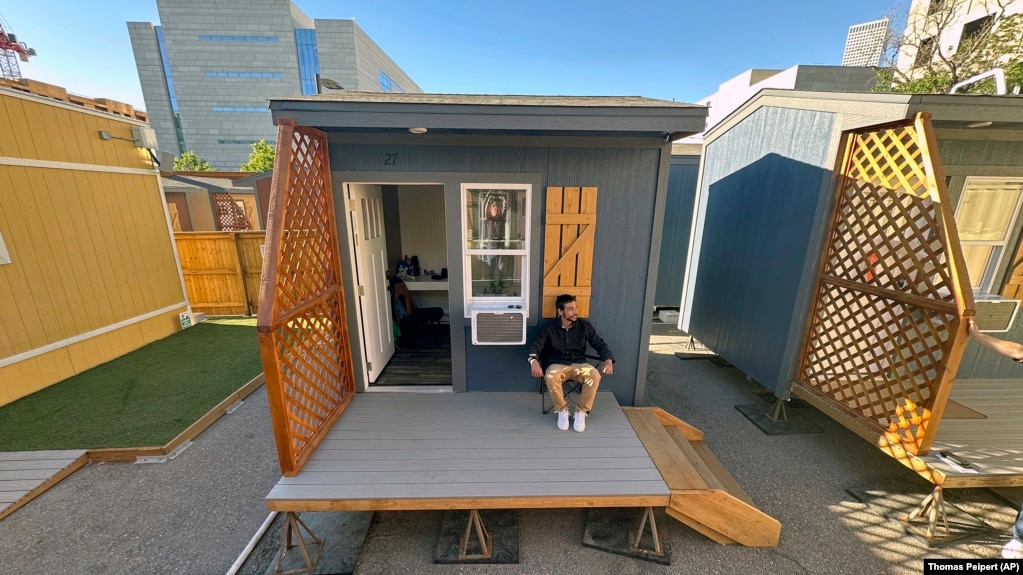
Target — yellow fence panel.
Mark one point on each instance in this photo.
(222, 270)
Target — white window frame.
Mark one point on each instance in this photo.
(468, 254)
(1010, 228)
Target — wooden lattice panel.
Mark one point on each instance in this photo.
(886, 330)
(230, 216)
(303, 337)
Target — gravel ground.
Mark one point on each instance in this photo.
(195, 514)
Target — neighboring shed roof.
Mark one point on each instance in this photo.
(181, 183)
(947, 110)
(481, 113)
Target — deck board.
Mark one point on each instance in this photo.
(994, 445)
(26, 474)
(406, 450)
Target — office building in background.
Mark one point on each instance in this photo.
(208, 69)
(865, 43)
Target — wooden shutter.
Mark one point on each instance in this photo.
(568, 246)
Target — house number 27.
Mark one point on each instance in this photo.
(390, 159)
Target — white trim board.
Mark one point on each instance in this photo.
(28, 163)
(89, 334)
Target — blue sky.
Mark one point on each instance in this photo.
(670, 49)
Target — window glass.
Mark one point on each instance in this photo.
(496, 218)
(496, 275)
(985, 218)
(496, 243)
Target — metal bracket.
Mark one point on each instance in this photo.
(486, 543)
(293, 526)
(636, 535)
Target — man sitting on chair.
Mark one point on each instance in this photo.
(561, 342)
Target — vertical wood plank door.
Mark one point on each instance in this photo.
(568, 246)
(303, 338)
(886, 328)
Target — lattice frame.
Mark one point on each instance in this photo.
(303, 335)
(886, 328)
(230, 216)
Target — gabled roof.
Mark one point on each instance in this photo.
(1005, 112)
(482, 113)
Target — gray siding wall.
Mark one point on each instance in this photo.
(765, 191)
(627, 182)
(678, 220)
(964, 158)
(154, 84)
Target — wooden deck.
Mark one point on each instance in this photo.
(994, 445)
(472, 451)
(26, 474)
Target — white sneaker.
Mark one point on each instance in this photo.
(1013, 549)
(563, 420)
(580, 421)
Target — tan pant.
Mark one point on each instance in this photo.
(584, 373)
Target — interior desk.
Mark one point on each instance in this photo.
(426, 284)
(429, 292)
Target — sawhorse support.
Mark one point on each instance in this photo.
(475, 524)
(293, 527)
(929, 510)
(636, 535)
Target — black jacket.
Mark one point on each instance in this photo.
(555, 344)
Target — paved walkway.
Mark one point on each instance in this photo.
(195, 514)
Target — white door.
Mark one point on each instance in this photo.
(367, 215)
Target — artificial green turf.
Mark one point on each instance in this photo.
(142, 399)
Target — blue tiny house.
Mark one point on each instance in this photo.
(839, 242)
(518, 198)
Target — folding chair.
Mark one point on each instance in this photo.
(570, 387)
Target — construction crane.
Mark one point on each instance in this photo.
(10, 52)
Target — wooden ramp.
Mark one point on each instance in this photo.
(704, 495)
(26, 474)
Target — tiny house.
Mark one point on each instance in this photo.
(519, 198)
(840, 241)
(88, 266)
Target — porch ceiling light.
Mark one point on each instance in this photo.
(417, 130)
(978, 124)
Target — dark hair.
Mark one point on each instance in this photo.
(393, 281)
(563, 299)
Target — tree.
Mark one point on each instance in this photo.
(929, 50)
(191, 162)
(261, 159)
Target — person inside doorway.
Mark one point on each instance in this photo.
(558, 354)
(1014, 351)
(409, 317)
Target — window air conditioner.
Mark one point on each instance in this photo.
(498, 324)
(995, 313)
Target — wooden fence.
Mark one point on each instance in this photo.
(222, 270)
